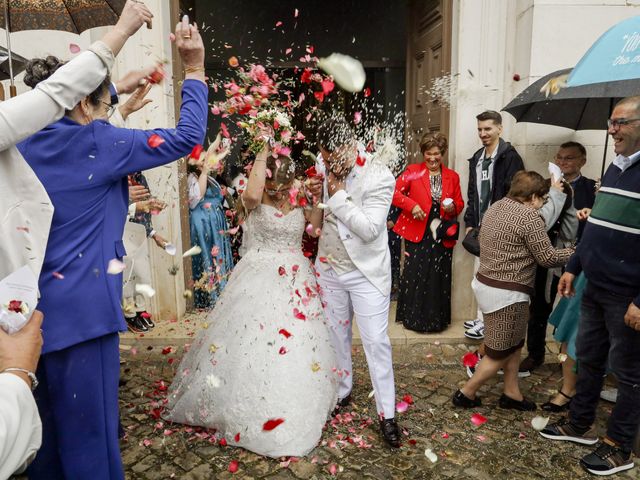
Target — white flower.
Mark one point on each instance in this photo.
(345, 70)
(282, 119)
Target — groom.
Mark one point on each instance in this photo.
(354, 262)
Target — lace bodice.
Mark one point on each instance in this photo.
(267, 228)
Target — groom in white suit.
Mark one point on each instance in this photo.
(354, 263)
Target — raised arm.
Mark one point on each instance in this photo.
(30, 112)
(369, 220)
(539, 245)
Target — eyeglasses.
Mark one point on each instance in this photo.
(619, 122)
(110, 108)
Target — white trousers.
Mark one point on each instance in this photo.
(344, 296)
(476, 266)
(137, 271)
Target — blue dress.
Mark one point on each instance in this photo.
(209, 230)
(566, 317)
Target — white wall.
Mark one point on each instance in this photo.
(145, 48)
(495, 39)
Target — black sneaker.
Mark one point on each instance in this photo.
(145, 318)
(135, 325)
(523, 405)
(607, 459)
(459, 399)
(565, 430)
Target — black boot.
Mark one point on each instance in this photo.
(390, 432)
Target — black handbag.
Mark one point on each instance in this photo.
(471, 242)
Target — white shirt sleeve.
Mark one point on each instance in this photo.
(30, 112)
(195, 195)
(20, 425)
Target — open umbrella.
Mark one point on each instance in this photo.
(550, 101)
(18, 64)
(73, 16)
(614, 56)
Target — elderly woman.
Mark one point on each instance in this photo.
(83, 163)
(513, 240)
(429, 196)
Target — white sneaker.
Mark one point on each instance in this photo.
(476, 332)
(472, 323)
(609, 395)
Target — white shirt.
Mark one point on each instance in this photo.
(491, 299)
(489, 171)
(20, 425)
(623, 162)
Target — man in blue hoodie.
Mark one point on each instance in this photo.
(609, 333)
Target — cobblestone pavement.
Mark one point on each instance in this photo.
(505, 447)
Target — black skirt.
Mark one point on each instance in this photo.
(424, 296)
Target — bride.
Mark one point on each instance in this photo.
(262, 372)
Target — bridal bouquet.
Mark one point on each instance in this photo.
(263, 109)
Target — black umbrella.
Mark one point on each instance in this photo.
(586, 107)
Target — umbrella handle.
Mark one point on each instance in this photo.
(1, 92)
(12, 91)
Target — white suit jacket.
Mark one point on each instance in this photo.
(25, 208)
(20, 425)
(362, 211)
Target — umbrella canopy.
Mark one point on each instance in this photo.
(614, 56)
(19, 63)
(73, 16)
(550, 101)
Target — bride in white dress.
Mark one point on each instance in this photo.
(262, 372)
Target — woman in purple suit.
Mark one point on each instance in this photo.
(83, 163)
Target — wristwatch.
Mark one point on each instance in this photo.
(31, 375)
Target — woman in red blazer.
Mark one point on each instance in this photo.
(429, 196)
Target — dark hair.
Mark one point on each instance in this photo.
(39, 69)
(283, 171)
(525, 184)
(334, 133)
(577, 145)
(490, 115)
(430, 140)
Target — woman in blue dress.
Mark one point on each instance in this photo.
(83, 162)
(209, 228)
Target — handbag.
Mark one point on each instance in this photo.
(471, 242)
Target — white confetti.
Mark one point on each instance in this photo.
(115, 267)
(145, 290)
(345, 70)
(430, 455)
(213, 381)
(372, 393)
(195, 250)
(538, 423)
(170, 249)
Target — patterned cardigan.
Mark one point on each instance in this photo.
(513, 239)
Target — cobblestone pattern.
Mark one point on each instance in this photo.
(505, 447)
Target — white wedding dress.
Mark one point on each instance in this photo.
(265, 354)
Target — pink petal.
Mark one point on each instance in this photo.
(402, 407)
(73, 48)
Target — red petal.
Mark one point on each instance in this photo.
(196, 152)
(319, 96)
(367, 92)
(237, 437)
(322, 259)
(15, 306)
(282, 271)
(469, 359)
(408, 398)
(157, 76)
(271, 424)
(311, 172)
(225, 131)
(478, 419)
(327, 86)
(155, 141)
(361, 161)
(284, 332)
(282, 351)
(233, 466)
(222, 442)
(298, 314)
(166, 351)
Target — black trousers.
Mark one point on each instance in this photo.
(540, 310)
(605, 341)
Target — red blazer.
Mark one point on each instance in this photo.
(413, 188)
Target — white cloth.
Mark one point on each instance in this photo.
(476, 267)
(362, 212)
(491, 299)
(350, 296)
(331, 248)
(20, 425)
(623, 162)
(256, 360)
(194, 193)
(24, 203)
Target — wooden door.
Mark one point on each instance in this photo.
(428, 57)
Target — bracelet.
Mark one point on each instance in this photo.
(31, 375)
(193, 70)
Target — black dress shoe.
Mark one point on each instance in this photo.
(523, 405)
(554, 407)
(341, 404)
(390, 432)
(135, 325)
(461, 400)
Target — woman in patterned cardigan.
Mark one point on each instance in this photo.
(513, 239)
